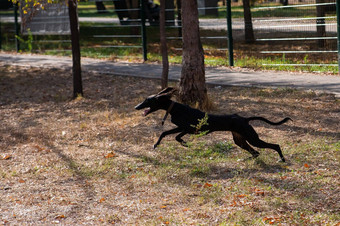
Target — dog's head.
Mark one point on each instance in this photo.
(157, 101)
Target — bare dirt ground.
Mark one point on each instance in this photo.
(90, 160)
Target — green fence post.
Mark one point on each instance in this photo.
(0, 35)
(230, 34)
(143, 30)
(16, 26)
(338, 31)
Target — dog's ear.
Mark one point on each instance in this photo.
(169, 92)
(166, 90)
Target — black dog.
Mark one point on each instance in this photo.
(185, 117)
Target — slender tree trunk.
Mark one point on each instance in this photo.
(164, 49)
(76, 68)
(170, 15)
(179, 17)
(134, 15)
(248, 24)
(100, 7)
(320, 22)
(192, 84)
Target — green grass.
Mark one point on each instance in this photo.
(197, 164)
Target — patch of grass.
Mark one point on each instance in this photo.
(92, 160)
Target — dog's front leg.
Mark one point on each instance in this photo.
(165, 133)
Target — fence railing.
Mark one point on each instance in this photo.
(309, 30)
(301, 34)
(113, 26)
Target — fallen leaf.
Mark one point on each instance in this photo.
(259, 192)
(38, 148)
(306, 165)
(241, 196)
(163, 207)
(110, 155)
(60, 217)
(7, 157)
(234, 203)
(267, 219)
(207, 185)
(272, 220)
(21, 181)
(102, 200)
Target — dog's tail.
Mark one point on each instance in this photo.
(269, 122)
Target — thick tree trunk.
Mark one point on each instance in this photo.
(76, 68)
(248, 24)
(192, 84)
(164, 49)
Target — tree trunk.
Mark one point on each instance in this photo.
(248, 24)
(170, 14)
(320, 23)
(192, 84)
(76, 68)
(179, 17)
(164, 49)
(133, 4)
(101, 7)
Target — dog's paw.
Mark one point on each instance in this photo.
(184, 144)
(282, 160)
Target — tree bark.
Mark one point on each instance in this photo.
(248, 24)
(76, 68)
(170, 15)
(192, 83)
(320, 23)
(164, 49)
(179, 17)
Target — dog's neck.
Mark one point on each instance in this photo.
(171, 104)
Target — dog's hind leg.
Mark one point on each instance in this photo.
(180, 140)
(165, 133)
(262, 144)
(250, 135)
(242, 143)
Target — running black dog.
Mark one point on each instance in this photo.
(186, 119)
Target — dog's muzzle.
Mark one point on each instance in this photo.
(140, 107)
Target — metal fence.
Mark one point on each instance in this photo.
(13, 37)
(299, 34)
(7, 29)
(114, 29)
(295, 33)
